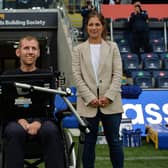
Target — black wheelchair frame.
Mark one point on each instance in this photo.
(72, 159)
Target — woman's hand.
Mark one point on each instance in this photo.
(104, 101)
(94, 103)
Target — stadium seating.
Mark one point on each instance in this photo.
(153, 19)
(122, 41)
(158, 45)
(130, 61)
(120, 22)
(164, 59)
(165, 63)
(121, 36)
(158, 48)
(157, 60)
(161, 79)
(142, 79)
(123, 45)
(156, 34)
(124, 48)
(150, 61)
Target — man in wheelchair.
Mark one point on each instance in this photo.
(45, 130)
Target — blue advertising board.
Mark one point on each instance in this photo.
(150, 108)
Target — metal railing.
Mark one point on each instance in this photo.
(72, 32)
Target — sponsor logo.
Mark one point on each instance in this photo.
(146, 114)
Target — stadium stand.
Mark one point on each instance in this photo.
(158, 47)
(120, 22)
(158, 39)
(152, 1)
(142, 79)
(150, 61)
(161, 79)
(130, 62)
(164, 59)
(124, 48)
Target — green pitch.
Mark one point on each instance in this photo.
(145, 156)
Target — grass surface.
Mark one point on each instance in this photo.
(145, 156)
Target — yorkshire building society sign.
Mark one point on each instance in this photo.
(33, 19)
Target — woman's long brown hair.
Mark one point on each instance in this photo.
(102, 20)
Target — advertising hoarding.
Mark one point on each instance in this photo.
(150, 108)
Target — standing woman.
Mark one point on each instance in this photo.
(97, 72)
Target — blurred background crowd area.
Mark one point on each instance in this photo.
(74, 6)
(149, 70)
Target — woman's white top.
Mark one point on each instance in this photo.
(95, 57)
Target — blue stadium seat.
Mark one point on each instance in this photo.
(70, 120)
(158, 48)
(130, 61)
(122, 41)
(124, 48)
(165, 64)
(120, 22)
(150, 61)
(156, 34)
(142, 79)
(125, 20)
(153, 19)
(119, 34)
(158, 45)
(164, 58)
(161, 79)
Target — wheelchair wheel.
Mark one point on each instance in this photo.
(69, 150)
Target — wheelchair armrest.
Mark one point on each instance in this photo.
(67, 119)
(62, 114)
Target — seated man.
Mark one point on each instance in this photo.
(46, 131)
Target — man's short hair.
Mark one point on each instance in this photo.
(29, 38)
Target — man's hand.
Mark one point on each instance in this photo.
(30, 128)
(34, 127)
(23, 123)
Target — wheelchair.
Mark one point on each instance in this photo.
(33, 154)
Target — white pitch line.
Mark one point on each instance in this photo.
(137, 158)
